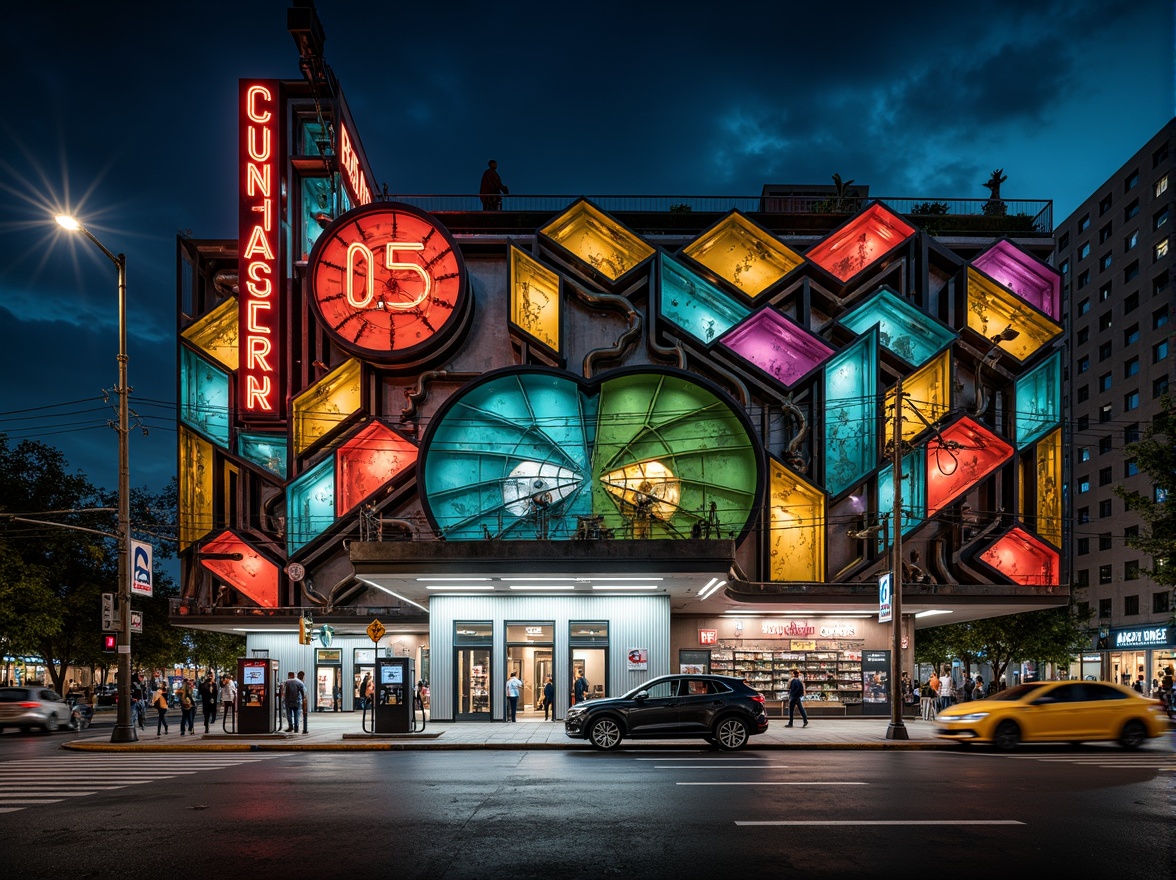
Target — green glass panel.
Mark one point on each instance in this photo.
(851, 414)
(914, 491)
(695, 305)
(903, 328)
(1038, 398)
(266, 450)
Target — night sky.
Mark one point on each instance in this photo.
(125, 114)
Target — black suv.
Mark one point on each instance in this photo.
(722, 710)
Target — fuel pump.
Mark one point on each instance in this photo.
(395, 697)
(257, 678)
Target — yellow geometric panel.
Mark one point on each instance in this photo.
(534, 298)
(216, 334)
(598, 240)
(1049, 487)
(992, 309)
(796, 537)
(195, 487)
(927, 390)
(738, 251)
(326, 404)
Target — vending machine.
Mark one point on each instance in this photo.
(395, 677)
(257, 681)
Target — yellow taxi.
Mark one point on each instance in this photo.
(1055, 711)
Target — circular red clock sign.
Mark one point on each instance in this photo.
(387, 281)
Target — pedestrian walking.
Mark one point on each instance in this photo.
(969, 687)
(305, 699)
(796, 697)
(138, 702)
(228, 695)
(978, 689)
(514, 686)
(490, 188)
(187, 707)
(580, 687)
(927, 697)
(293, 693)
(945, 691)
(159, 701)
(208, 692)
(549, 698)
(362, 691)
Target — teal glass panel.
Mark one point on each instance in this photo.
(851, 414)
(914, 491)
(310, 505)
(1038, 398)
(694, 304)
(204, 397)
(266, 450)
(903, 328)
(504, 444)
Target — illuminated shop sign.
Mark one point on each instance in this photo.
(1143, 637)
(786, 628)
(353, 177)
(259, 301)
(708, 637)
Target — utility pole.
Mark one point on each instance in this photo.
(896, 729)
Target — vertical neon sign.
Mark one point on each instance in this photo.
(353, 176)
(259, 378)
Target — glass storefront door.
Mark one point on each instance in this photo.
(328, 688)
(528, 654)
(474, 697)
(591, 663)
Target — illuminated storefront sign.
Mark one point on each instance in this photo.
(1141, 637)
(708, 637)
(353, 176)
(786, 628)
(259, 301)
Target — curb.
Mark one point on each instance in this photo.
(486, 746)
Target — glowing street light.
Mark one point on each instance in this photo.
(124, 729)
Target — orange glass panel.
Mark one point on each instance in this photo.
(534, 298)
(797, 530)
(252, 574)
(368, 461)
(1023, 559)
(195, 487)
(927, 390)
(598, 240)
(960, 457)
(861, 241)
(321, 408)
(991, 309)
(216, 334)
(741, 253)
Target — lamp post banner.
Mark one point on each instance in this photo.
(884, 598)
(141, 583)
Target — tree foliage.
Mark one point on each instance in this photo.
(1054, 635)
(1155, 455)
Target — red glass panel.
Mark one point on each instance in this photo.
(860, 242)
(967, 453)
(1023, 559)
(367, 462)
(252, 574)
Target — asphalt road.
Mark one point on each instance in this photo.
(1085, 812)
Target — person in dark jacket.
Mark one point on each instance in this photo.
(580, 687)
(796, 697)
(491, 186)
(549, 698)
(208, 691)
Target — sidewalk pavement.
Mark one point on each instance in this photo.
(342, 731)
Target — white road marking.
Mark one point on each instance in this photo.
(771, 783)
(890, 822)
(720, 767)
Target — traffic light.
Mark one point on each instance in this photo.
(109, 643)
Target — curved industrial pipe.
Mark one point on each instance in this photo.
(420, 394)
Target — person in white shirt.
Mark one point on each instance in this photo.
(514, 686)
(945, 691)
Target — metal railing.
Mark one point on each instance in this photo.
(1034, 215)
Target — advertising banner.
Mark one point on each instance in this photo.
(638, 659)
(141, 584)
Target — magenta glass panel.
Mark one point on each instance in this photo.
(1023, 559)
(779, 347)
(960, 457)
(1031, 280)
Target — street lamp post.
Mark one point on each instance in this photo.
(896, 729)
(124, 729)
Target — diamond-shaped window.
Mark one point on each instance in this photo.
(216, 334)
(265, 450)
(534, 298)
(694, 304)
(1049, 488)
(326, 404)
(1023, 559)
(958, 458)
(204, 397)
(367, 461)
(310, 505)
(992, 309)
(597, 240)
(252, 574)
(797, 530)
(781, 348)
(195, 486)
(867, 237)
(926, 393)
(1030, 279)
(903, 328)
(743, 254)
(851, 414)
(1038, 398)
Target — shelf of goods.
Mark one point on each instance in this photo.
(833, 678)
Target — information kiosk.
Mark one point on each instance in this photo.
(257, 681)
(394, 692)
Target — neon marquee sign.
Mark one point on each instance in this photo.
(259, 299)
(353, 176)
